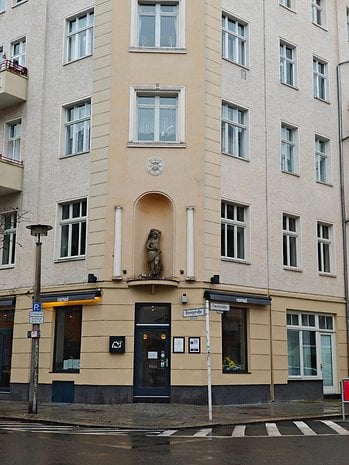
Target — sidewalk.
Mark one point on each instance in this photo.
(168, 416)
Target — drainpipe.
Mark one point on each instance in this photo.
(342, 194)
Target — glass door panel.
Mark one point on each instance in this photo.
(327, 362)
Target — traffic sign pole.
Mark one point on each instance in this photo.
(208, 344)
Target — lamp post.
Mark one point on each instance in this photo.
(36, 230)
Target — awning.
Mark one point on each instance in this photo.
(71, 298)
(228, 297)
(7, 301)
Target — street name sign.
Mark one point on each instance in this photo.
(219, 307)
(193, 312)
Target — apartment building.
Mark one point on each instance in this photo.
(190, 156)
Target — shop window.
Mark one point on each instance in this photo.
(67, 339)
(234, 343)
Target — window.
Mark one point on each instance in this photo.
(158, 24)
(2, 5)
(287, 3)
(18, 50)
(67, 339)
(77, 128)
(157, 117)
(347, 23)
(320, 79)
(14, 132)
(2, 54)
(234, 130)
(307, 353)
(234, 35)
(322, 162)
(319, 12)
(287, 64)
(234, 341)
(290, 234)
(233, 231)
(80, 36)
(72, 227)
(8, 227)
(288, 149)
(324, 247)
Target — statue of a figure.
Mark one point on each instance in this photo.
(154, 253)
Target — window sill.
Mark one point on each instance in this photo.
(236, 372)
(234, 156)
(320, 26)
(291, 268)
(235, 260)
(323, 100)
(240, 65)
(69, 259)
(169, 145)
(62, 372)
(290, 86)
(327, 275)
(288, 8)
(77, 59)
(323, 183)
(19, 3)
(71, 155)
(157, 50)
(6, 267)
(291, 173)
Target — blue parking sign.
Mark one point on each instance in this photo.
(36, 307)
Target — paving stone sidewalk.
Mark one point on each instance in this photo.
(168, 416)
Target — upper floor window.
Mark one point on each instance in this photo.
(234, 35)
(2, 53)
(80, 36)
(287, 3)
(287, 64)
(14, 134)
(2, 5)
(320, 79)
(77, 128)
(319, 12)
(158, 24)
(290, 233)
(72, 229)
(8, 225)
(347, 23)
(324, 238)
(18, 51)
(288, 148)
(157, 116)
(322, 161)
(234, 224)
(234, 130)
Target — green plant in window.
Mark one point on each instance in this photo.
(228, 363)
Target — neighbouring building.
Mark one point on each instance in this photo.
(189, 154)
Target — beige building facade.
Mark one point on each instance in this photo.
(190, 157)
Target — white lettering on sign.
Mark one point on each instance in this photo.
(241, 300)
(219, 307)
(192, 312)
(62, 299)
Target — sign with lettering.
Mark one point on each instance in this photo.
(36, 318)
(193, 312)
(219, 307)
(117, 344)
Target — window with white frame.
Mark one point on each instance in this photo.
(288, 148)
(157, 117)
(8, 226)
(287, 3)
(17, 2)
(305, 349)
(2, 5)
(234, 130)
(234, 36)
(322, 160)
(79, 36)
(14, 134)
(347, 23)
(18, 51)
(290, 234)
(324, 244)
(234, 231)
(72, 229)
(319, 12)
(77, 127)
(287, 64)
(320, 79)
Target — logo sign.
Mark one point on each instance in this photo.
(33, 334)
(36, 307)
(117, 344)
(219, 307)
(193, 312)
(36, 318)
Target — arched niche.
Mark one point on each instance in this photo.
(154, 210)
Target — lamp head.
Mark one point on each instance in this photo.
(39, 229)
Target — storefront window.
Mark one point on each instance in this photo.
(67, 339)
(234, 352)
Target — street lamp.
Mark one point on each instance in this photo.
(36, 230)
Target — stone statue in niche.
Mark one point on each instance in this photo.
(154, 254)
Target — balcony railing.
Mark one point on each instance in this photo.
(13, 67)
(11, 176)
(10, 160)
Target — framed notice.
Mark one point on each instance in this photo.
(178, 345)
(194, 345)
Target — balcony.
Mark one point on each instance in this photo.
(13, 83)
(11, 176)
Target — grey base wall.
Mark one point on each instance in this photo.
(197, 395)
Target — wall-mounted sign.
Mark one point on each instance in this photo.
(193, 312)
(178, 345)
(218, 307)
(194, 345)
(117, 344)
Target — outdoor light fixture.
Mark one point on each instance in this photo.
(36, 317)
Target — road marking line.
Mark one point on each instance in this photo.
(239, 431)
(168, 432)
(339, 429)
(306, 430)
(203, 433)
(272, 429)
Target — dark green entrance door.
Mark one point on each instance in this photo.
(5, 358)
(152, 351)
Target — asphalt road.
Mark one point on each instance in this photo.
(40, 448)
